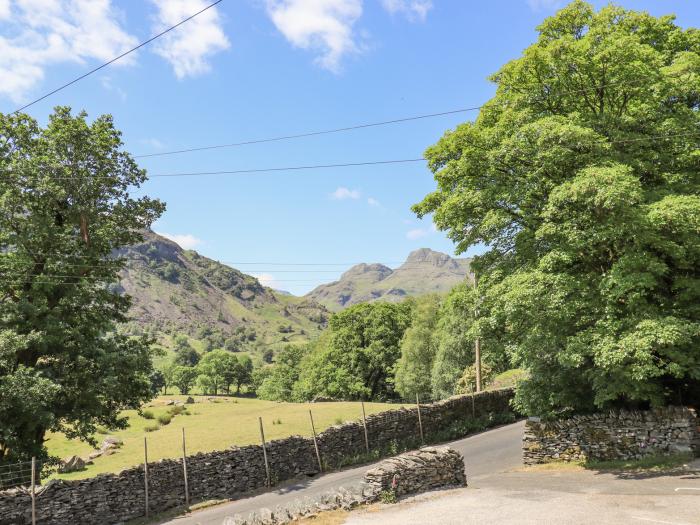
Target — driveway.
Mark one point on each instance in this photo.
(492, 451)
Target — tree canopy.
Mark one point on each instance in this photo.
(581, 178)
(65, 209)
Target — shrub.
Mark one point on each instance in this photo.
(147, 414)
(151, 428)
(164, 419)
(177, 410)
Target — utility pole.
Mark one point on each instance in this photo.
(477, 341)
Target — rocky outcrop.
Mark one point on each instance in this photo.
(612, 435)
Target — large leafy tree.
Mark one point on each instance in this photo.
(355, 359)
(418, 348)
(65, 208)
(581, 176)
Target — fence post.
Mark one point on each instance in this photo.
(318, 454)
(184, 468)
(420, 421)
(364, 425)
(473, 408)
(262, 437)
(33, 490)
(145, 471)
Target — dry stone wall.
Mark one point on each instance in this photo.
(115, 498)
(414, 472)
(613, 435)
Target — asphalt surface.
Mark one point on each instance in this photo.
(485, 454)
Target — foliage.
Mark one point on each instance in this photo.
(356, 357)
(65, 210)
(580, 175)
(467, 383)
(184, 377)
(219, 369)
(418, 348)
(278, 381)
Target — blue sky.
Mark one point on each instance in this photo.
(252, 69)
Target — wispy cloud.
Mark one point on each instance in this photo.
(372, 201)
(539, 5)
(418, 233)
(189, 49)
(42, 33)
(110, 86)
(186, 241)
(322, 26)
(153, 143)
(343, 193)
(413, 10)
(266, 279)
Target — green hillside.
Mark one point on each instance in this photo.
(178, 291)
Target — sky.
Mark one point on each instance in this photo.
(254, 69)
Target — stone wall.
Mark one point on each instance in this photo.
(414, 472)
(114, 498)
(613, 435)
(426, 469)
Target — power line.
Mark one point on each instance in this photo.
(310, 133)
(117, 57)
(354, 127)
(352, 164)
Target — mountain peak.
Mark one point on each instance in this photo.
(431, 257)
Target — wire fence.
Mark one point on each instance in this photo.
(19, 474)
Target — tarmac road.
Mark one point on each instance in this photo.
(486, 453)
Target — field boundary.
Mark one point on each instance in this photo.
(224, 474)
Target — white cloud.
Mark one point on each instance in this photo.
(372, 201)
(416, 233)
(153, 143)
(413, 10)
(187, 48)
(186, 241)
(41, 33)
(266, 279)
(323, 26)
(343, 193)
(110, 86)
(4, 9)
(539, 5)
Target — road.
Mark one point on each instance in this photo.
(486, 453)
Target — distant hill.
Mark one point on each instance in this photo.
(423, 272)
(178, 291)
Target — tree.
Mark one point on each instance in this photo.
(244, 372)
(278, 382)
(185, 355)
(167, 372)
(65, 210)
(356, 357)
(158, 382)
(217, 369)
(418, 347)
(184, 377)
(581, 177)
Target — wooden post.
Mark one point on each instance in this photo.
(364, 424)
(33, 490)
(420, 421)
(477, 342)
(145, 471)
(318, 454)
(473, 408)
(184, 468)
(262, 437)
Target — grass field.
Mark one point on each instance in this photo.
(210, 425)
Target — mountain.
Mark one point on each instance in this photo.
(423, 272)
(179, 292)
